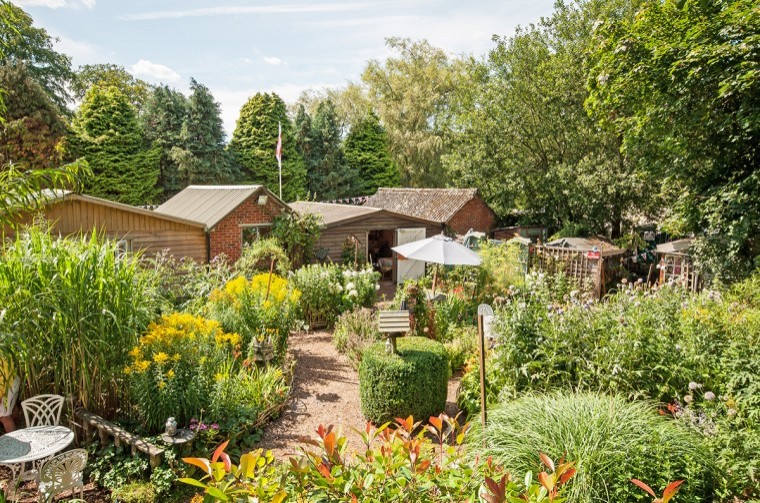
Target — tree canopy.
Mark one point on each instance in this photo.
(366, 149)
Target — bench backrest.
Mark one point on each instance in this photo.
(394, 321)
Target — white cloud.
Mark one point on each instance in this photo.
(57, 4)
(155, 71)
(238, 10)
(271, 60)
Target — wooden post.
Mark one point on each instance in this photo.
(269, 283)
(482, 362)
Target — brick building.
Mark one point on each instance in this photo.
(458, 209)
(232, 214)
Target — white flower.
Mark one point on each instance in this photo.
(339, 287)
(377, 286)
(350, 286)
(688, 399)
(693, 386)
(731, 412)
(353, 293)
(709, 396)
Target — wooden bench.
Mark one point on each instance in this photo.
(393, 323)
(120, 436)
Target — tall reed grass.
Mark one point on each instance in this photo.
(73, 309)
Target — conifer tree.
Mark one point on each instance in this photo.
(329, 175)
(255, 140)
(163, 118)
(106, 133)
(366, 149)
(202, 157)
(33, 129)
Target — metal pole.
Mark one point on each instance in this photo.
(482, 361)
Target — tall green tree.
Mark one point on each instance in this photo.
(107, 74)
(525, 139)
(329, 176)
(107, 134)
(366, 149)
(254, 142)
(411, 94)
(31, 134)
(22, 42)
(202, 157)
(165, 113)
(680, 83)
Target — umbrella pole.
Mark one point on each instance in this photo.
(435, 278)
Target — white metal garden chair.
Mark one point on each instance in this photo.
(42, 410)
(61, 473)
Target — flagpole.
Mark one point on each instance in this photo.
(279, 157)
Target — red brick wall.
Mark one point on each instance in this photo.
(475, 215)
(226, 236)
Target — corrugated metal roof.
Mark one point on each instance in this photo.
(437, 205)
(586, 244)
(332, 213)
(207, 204)
(677, 247)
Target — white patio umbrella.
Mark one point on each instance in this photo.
(438, 250)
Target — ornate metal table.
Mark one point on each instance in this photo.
(32, 444)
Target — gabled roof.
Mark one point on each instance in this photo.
(209, 204)
(586, 244)
(677, 247)
(437, 205)
(333, 214)
(56, 196)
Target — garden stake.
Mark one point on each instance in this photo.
(482, 351)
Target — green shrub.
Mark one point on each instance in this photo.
(135, 492)
(354, 332)
(413, 382)
(610, 439)
(462, 346)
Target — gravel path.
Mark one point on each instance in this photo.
(325, 390)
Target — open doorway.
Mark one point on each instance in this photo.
(379, 244)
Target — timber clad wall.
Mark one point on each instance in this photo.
(332, 238)
(475, 215)
(227, 237)
(145, 232)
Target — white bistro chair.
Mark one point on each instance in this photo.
(62, 472)
(42, 410)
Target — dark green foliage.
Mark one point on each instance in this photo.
(22, 42)
(366, 149)
(106, 133)
(106, 74)
(162, 120)
(298, 235)
(610, 439)
(33, 128)
(413, 382)
(203, 158)
(255, 140)
(329, 176)
(679, 84)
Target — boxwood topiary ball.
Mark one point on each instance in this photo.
(413, 382)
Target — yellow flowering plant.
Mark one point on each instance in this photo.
(172, 367)
(262, 309)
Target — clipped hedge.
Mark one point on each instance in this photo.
(413, 382)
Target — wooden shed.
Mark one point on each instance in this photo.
(231, 214)
(460, 210)
(374, 230)
(675, 264)
(136, 229)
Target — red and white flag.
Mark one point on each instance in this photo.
(278, 152)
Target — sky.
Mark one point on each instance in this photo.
(238, 48)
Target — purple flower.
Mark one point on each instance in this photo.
(203, 427)
(193, 426)
(214, 426)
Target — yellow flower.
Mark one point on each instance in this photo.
(135, 353)
(176, 357)
(141, 366)
(161, 358)
(170, 374)
(161, 385)
(219, 376)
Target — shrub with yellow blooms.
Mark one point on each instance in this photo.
(262, 309)
(172, 367)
